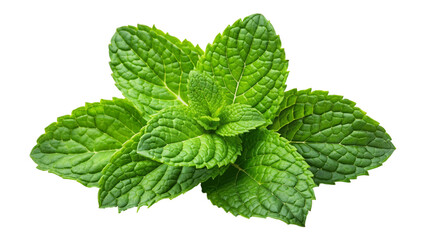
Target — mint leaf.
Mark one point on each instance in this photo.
(130, 180)
(151, 68)
(78, 146)
(239, 118)
(208, 116)
(269, 179)
(247, 61)
(174, 137)
(204, 96)
(338, 140)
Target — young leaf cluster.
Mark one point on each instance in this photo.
(221, 118)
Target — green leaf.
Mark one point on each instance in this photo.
(269, 179)
(130, 180)
(239, 118)
(151, 68)
(204, 96)
(78, 146)
(174, 137)
(338, 140)
(247, 61)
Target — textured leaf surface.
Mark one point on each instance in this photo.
(269, 179)
(174, 137)
(239, 118)
(247, 61)
(204, 96)
(78, 146)
(337, 139)
(151, 68)
(130, 180)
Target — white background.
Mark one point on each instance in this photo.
(54, 57)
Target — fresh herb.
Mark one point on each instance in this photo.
(221, 118)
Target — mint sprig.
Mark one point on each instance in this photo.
(220, 118)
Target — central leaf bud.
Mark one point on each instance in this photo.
(209, 123)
